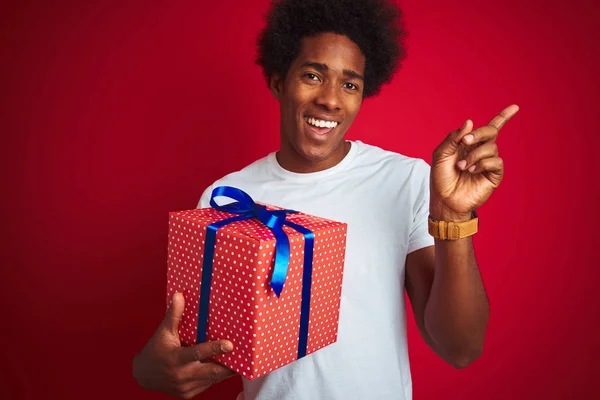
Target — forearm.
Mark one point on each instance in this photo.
(457, 310)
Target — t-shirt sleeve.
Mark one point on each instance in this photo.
(419, 235)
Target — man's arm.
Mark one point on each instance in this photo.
(448, 299)
(443, 281)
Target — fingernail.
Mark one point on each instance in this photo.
(227, 347)
(471, 168)
(469, 138)
(462, 164)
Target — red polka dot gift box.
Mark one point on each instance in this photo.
(267, 279)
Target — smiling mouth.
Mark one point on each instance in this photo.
(320, 123)
(320, 126)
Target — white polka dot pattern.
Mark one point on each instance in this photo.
(243, 308)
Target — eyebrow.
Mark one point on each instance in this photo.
(323, 67)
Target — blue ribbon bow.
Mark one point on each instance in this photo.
(273, 219)
(246, 208)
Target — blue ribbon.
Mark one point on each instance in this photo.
(246, 208)
(309, 244)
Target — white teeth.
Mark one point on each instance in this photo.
(321, 123)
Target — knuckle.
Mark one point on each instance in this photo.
(215, 374)
(197, 354)
(493, 130)
(216, 348)
(472, 157)
(177, 377)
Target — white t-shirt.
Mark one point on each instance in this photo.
(384, 199)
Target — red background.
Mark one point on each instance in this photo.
(114, 114)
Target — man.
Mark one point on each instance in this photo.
(321, 58)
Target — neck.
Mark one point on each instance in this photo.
(289, 159)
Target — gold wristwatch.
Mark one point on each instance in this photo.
(445, 230)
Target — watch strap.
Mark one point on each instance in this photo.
(449, 230)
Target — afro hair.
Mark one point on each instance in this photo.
(374, 25)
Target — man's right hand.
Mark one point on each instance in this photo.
(165, 366)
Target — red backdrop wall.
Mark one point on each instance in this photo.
(115, 113)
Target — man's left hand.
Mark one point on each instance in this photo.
(466, 169)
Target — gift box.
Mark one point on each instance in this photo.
(267, 279)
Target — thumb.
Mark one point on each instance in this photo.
(452, 142)
(174, 314)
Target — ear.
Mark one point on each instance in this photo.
(276, 86)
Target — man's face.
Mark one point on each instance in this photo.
(319, 99)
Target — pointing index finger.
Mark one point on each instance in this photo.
(504, 116)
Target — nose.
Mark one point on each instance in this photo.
(328, 97)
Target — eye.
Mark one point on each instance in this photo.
(311, 76)
(351, 86)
